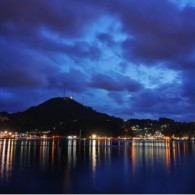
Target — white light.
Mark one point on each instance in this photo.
(93, 136)
(72, 137)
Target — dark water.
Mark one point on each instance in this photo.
(62, 166)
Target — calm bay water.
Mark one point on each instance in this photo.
(94, 166)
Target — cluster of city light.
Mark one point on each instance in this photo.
(181, 138)
(93, 136)
(151, 138)
(25, 135)
(98, 137)
(45, 135)
(7, 134)
(146, 137)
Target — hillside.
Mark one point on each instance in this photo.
(64, 116)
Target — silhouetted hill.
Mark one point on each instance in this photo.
(65, 116)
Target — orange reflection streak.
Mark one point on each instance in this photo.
(1, 154)
(1, 147)
(3, 158)
(133, 157)
(126, 157)
(11, 157)
(168, 155)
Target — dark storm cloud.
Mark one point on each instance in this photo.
(42, 25)
(19, 78)
(161, 101)
(64, 17)
(159, 31)
(162, 34)
(22, 68)
(188, 85)
(25, 69)
(115, 83)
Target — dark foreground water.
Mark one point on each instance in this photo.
(62, 166)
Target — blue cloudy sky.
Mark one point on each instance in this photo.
(127, 58)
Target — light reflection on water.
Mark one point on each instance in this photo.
(95, 166)
(6, 152)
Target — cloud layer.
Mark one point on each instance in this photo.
(127, 58)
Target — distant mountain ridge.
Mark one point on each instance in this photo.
(62, 116)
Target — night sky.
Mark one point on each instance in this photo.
(126, 58)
